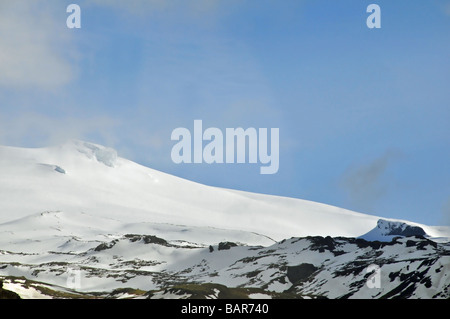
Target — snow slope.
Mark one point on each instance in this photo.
(80, 177)
(78, 221)
(413, 267)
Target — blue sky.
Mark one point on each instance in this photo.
(363, 114)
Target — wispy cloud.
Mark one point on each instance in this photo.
(33, 129)
(446, 212)
(192, 8)
(447, 8)
(365, 184)
(34, 46)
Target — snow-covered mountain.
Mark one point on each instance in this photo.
(76, 220)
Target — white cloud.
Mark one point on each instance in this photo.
(37, 130)
(34, 45)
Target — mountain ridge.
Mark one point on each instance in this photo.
(106, 190)
(78, 221)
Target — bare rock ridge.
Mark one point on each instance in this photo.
(399, 229)
(387, 230)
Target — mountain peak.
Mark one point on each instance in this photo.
(395, 228)
(386, 230)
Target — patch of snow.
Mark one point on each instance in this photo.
(105, 155)
(25, 292)
(169, 295)
(153, 178)
(259, 296)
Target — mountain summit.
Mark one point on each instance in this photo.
(78, 220)
(84, 177)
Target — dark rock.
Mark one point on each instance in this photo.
(408, 283)
(410, 243)
(147, 239)
(362, 243)
(338, 253)
(6, 294)
(420, 242)
(300, 272)
(352, 268)
(390, 228)
(253, 273)
(60, 170)
(408, 231)
(226, 245)
(425, 242)
(320, 243)
(105, 246)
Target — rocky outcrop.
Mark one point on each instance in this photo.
(6, 294)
